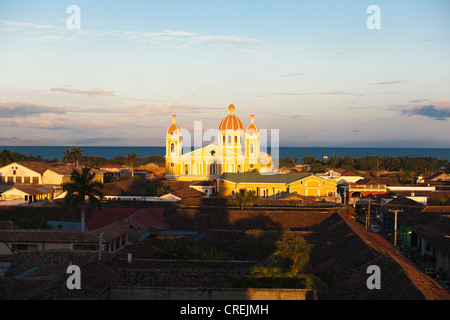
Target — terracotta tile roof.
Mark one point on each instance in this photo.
(67, 170)
(112, 231)
(58, 236)
(8, 225)
(148, 218)
(436, 175)
(348, 174)
(188, 193)
(39, 167)
(32, 189)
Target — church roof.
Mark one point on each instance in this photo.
(231, 122)
(174, 127)
(253, 177)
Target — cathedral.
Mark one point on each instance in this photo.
(238, 151)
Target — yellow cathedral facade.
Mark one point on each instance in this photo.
(238, 151)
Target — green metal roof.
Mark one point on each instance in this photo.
(253, 177)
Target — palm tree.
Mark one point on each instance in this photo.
(131, 160)
(82, 187)
(77, 154)
(67, 156)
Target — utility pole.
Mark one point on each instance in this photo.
(395, 224)
(368, 216)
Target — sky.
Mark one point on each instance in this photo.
(323, 73)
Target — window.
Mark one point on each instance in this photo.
(172, 148)
(251, 148)
(223, 139)
(239, 168)
(229, 139)
(26, 180)
(10, 179)
(14, 172)
(235, 139)
(186, 169)
(18, 179)
(35, 180)
(212, 169)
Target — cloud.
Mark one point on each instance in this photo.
(160, 108)
(10, 109)
(313, 93)
(42, 123)
(97, 92)
(294, 75)
(439, 110)
(176, 39)
(429, 17)
(389, 82)
(18, 26)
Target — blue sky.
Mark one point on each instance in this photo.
(312, 69)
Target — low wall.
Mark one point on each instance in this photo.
(153, 293)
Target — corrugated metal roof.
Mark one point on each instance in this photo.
(253, 177)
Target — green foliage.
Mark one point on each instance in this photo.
(175, 249)
(443, 201)
(32, 223)
(83, 186)
(310, 160)
(272, 278)
(244, 199)
(318, 167)
(292, 252)
(8, 156)
(256, 244)
(156, 190)
(406, 177)
(290, 256)
(286, 162)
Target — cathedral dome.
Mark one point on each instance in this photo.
(231, 122)
(252, 128)
(174, 128)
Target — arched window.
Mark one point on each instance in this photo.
(239, 168)
(186, 169)
(212, 169)
(172, 148)
(223, 139)
(229, 139)
(235, 139)
(251, 148)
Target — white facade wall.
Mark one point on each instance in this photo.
(14, 171)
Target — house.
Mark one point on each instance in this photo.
(140, 222)
(37, 173)
(436, 177)
(146, 219)
(207, 187)
(268, 185)
(365, 187)
(111, 237)
(24, 172)
(348, 177)
(113, 170)
(28, 193)
(57, 175)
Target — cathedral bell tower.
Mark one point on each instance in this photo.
(252, 148)
(173, 148)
